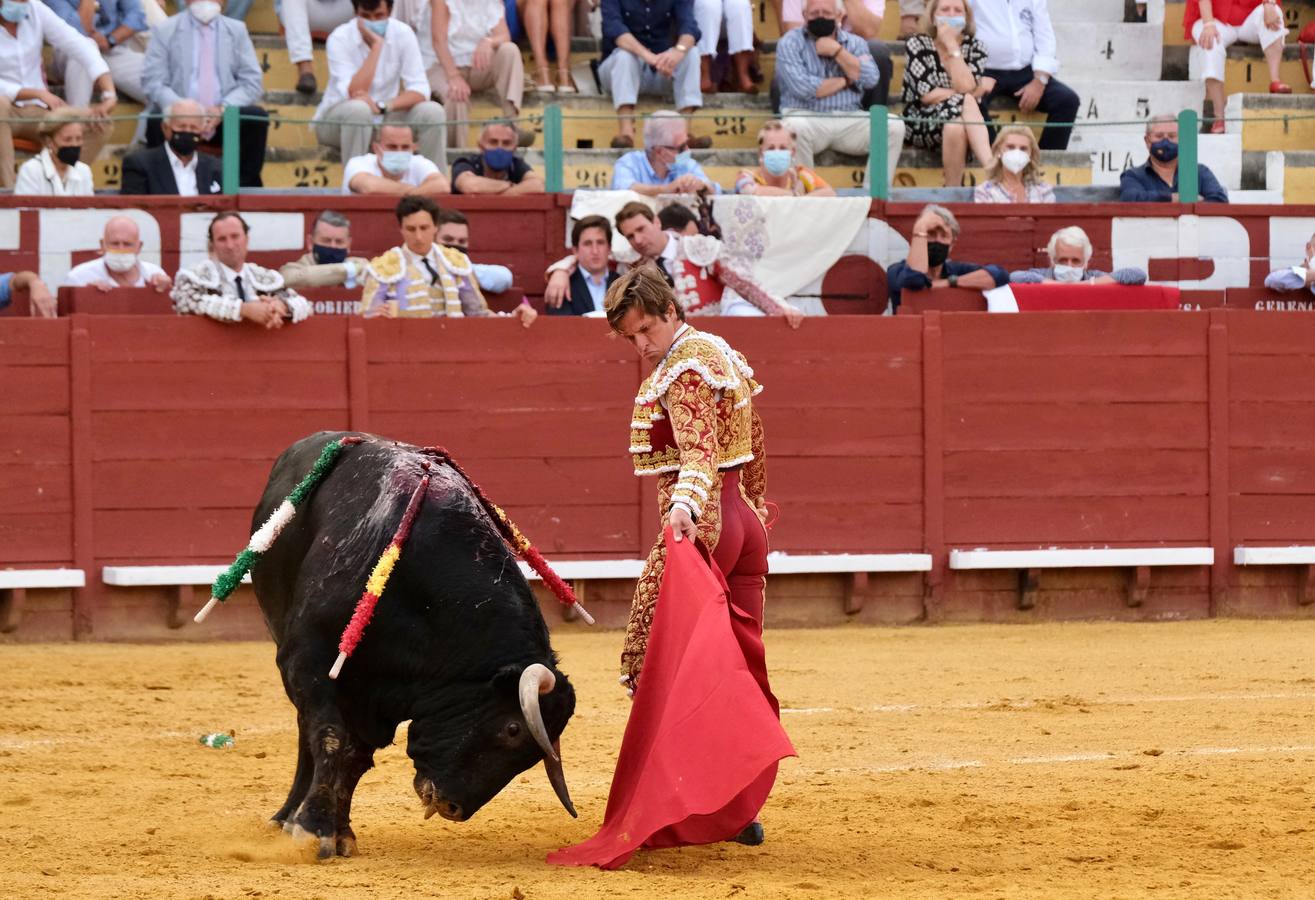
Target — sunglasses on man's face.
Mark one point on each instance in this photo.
(681, 149)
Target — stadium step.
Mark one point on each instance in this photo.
(1280, 122)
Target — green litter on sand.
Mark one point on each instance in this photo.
(219, 740)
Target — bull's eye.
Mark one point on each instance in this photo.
(513, 729)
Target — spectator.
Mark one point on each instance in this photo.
(40, 301)
(862, 19)
(475, 53)
(496, 169)
(942, 87)
(176, 166)
(394, 167)
(24, 99)
(1014, 173)
(57, 171)
(327, 262)
(738, 15)
(777, 174)
(111, 25)
(375, 70)
(1157, 181)
(422, 278)
(665, 165)
(225, 287)
(678, 218)
(120, 264)
(1070, 252)
(929, 265)
(538, 17)
(302, 17)
(202, 56)
(1021, 62)
(1295, 278)
(825, 69)
(910, 17)
(454, 233)
(649, 48)
(235, 9)
(591, 242)
(1214, 26)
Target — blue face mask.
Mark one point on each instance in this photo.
(13, 11)
(499, 159)
(959, 22)
(1165, 150)
(396, 162)
(327, 256)
(379, 26)
(683, 158)
(777, 162)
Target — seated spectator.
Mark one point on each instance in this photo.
(1215, 26)
(475, 53)
(678, 218)
(496, 169)
(421, 278)
(538, 17)
(1295, 278)
(202, 56)
(227, 288)
(929, 265)
(120, 264)
(649, 48)
(910, 17)
(862, 19)
(825, 69)
(454, 233)
(1157, 181)
(1070, 252)
(665, 165)
(591, 242)
(176, 166)
(943, 86)
(326, 262)
(1014, 175)
(777, 174)
(394, 167)
(111, 25)
(738, 15)
(57, 170)
(1021, 62)
(301, 18)
(39, 298)
(24, 99)
(375, 70)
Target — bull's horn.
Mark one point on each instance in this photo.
(535, 680)
(557, 778)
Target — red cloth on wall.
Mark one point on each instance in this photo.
(703, 741)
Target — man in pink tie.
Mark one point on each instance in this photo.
(202, 56)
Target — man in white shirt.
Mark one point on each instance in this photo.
(375, 71)
(1295, 278)
(120, 264)
(393, 167)
(226, 287)
(1021, 62)
(475, 53)
(26, 26)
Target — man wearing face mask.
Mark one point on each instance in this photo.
(120, 264)
(326, 262)
(665, 165)
(929, 265)
(496, 169)
(777, 175)
(1070, 251)
(454, 234)
(175, 167)
(393, 168)
(1157, 181)
(203, 56)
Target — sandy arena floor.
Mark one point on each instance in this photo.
(1095, 760)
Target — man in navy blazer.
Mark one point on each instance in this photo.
(203, 56)
(592, 240)
(176, 166)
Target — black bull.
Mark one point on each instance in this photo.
(457, 644)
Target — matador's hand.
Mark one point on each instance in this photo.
(681, 523)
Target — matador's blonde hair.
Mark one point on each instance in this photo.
(642, 288)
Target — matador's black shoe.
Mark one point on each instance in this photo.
(751, 836)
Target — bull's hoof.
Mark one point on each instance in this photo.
(347, 845)
(326, 846)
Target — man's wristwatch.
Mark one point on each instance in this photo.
(681, 48)
(1043, 77)
(953, 280)
(383, 109)
(109, 39)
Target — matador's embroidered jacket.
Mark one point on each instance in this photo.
(397, 280)
(210, 289)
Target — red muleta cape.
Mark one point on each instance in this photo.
(704, 738)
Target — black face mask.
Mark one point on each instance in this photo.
(937, 253)
(820, 28)
(183, 143)
(69, 156)
(328, 256)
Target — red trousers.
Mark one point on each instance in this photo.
(741, 554)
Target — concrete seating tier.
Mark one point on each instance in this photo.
(1270, 131)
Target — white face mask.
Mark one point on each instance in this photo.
(1069, 274)
(119, 261)
(205, 11)
(1015, 160)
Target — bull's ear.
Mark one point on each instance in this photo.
(506, 680)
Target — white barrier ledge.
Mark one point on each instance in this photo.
(1057, 558)
(1274, 556)
(777, 564)
(156, 576)
(42, 578)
